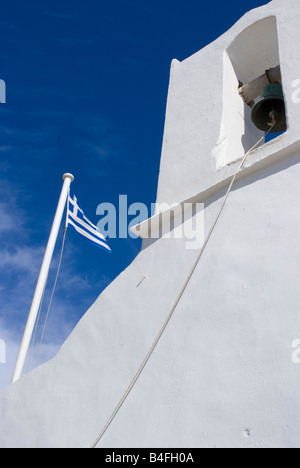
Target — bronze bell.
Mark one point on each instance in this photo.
(270, 106)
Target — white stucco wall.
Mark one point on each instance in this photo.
(222, 373)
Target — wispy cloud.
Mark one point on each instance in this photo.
(91, 130)
(12, 343)
(22, 259)
(5, 148)
(66, 16)
(6, 219)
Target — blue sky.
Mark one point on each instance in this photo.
(87, 86)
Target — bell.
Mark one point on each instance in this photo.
(270, 107)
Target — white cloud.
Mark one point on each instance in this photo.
(23, 259)
(6, 368)
(12, 344)
(3, 149)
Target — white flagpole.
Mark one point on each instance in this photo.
(68, 179)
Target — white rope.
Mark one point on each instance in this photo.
(52, 294)
(146, 359)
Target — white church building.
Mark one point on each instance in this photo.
(221, 373)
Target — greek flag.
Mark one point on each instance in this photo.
(76, 219)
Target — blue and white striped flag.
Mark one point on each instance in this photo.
(76, 219)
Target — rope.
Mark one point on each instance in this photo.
(52, 294)
(35, 330)
(157, 339)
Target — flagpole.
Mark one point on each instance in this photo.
(68, 179)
